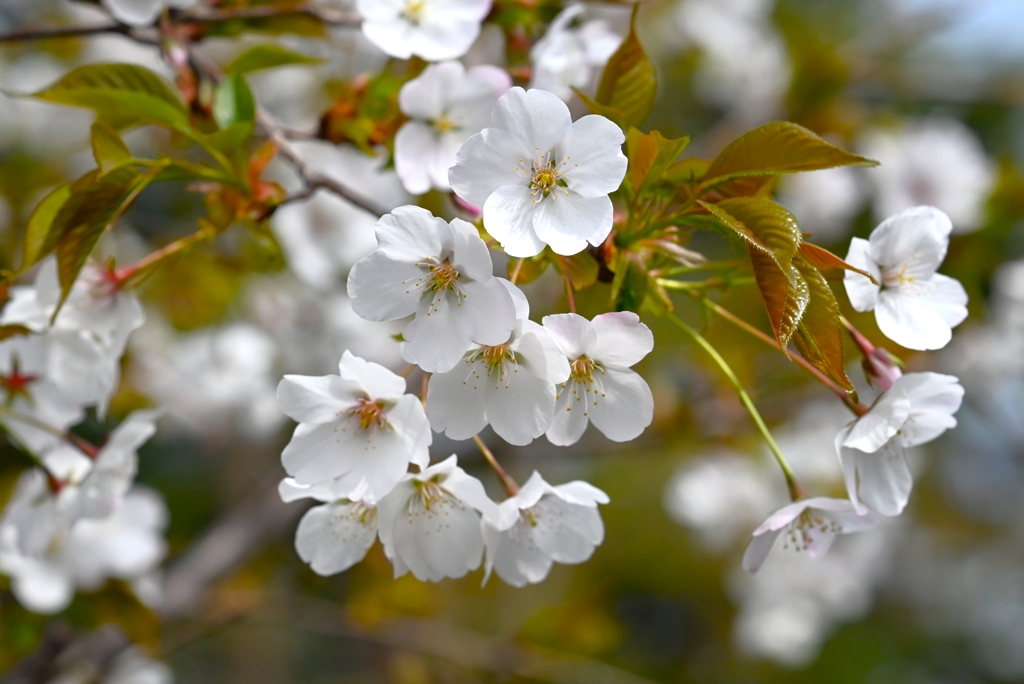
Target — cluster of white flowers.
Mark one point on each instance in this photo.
(76, 518)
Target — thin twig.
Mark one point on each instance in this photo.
(26, 35)
(568, 293)
(795, 490)
(510, 485)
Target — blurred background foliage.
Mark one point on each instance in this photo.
(935, 597)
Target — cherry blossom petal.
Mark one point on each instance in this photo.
(415, 142)
(592, 152)
(536, 119)
(880, 481)
(489, 160)
(521, 407)
(384, 289)
(470, 255)
(308, 399)
(566, 532)
(566, 222)
(757, 551)
(862, 292)
(374, 379)
(622, 340)
(570, 420)
(438, 337)
(625, 407)
(335, 536)
(508, 216)
(493, 313)
(411, 233)
(934, 398)
(911, 322)
(912, 242)
(514, 555)
(455, 402)
(555, 365)
(43, 589)
(573, 334)
(874, 429)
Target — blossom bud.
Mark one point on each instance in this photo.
(880, 368)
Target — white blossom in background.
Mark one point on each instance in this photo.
(127, 545)
(359, 429)
(510, 386)
(809, 525)
(542, 525)
(569, 56)
(143, 12)
(26, 389)
(443, 274)
(431, 29)
(601, 388)
(915, 410)
(938, 162)
(430, 523)
(825, 201)
(541, 178)
(915, 306)
(446, 105)
(335, 535)
(132, 666)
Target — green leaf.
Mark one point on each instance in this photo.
(262, 57)
(633, 289)
(108, 148)
(778, 147)
(122, 95)
(181, 171)
(819, 335)
(615, 115)
(581, 269)
(629, 82)
(233, 102)
(528, 270)
(650, 155)
(40, 237)
(230, 147)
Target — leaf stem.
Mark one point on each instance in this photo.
(510, 485)
(140, 268)
(568, 293)
(795, 490)
(88, 449)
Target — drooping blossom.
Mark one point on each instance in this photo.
(431, 29)
(568, 56)
(916, 409)
(510, 386)
(446, 104)
(143, 12)
(335, 535)
(601, 388)
(430, 523)
(542, 525)
(938, 162)
(442, 273)
(809, 525)
(541, 178)
(915, 306)
(127, 545)
(359, 429)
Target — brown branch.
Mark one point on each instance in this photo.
(26, 35)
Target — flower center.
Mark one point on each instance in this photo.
(16, 383)
(413, 11)
(585, 380)
(547, 176)
(800, 533)
(582, 370)
(430, 495)
(444, 124)
(370, 414)
(442, 277)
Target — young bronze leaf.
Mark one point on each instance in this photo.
(822, 259)
(778, 147)
(107, 147)
(122, 95)
(784, 291)
(629, 82)
(819, 335)
(650, 155)
(40, 234)
(581, 269)
(773, 225)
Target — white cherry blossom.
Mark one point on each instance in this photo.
(442, 273)
(542, 525)
(430, 525)
(337, 534)
(809, 525)
(510, 386)
(127, 545)
(567, 56)
(431, 29)
(143, 12)
(358, 428)
(916, 409)
(914, 306)
(446, 104)
(541, 178)
(601, 388)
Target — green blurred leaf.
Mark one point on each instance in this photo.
(633, 289)
(233, 102)
(527, 270)
(122, 95)
(262, 57)
(629, 82)
(581, 269)
(108, 148)
(607, 112)
(650, 155)
(778, 147)
(819, 335)
(40, 237)
(231, 148)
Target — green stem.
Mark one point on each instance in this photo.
(795, 490)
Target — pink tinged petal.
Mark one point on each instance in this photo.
(334, 537)
(573, 334)
(934, 398)
(862, 292)
(911, 321)
(874, 429)
(819, 542)
(488, 312)
(455, 403)
(783, 516)
(567, 221)
(912, 242)
(308, 399)
(537, 119)
(509, 217)
(757, 551)
(439, 335)
(470, 255)
(884, 480)
(520, 405)
(375, 380)
(383, 289)
(570, 421)
(411, 233)
(622, 340)
(621, 404)
(489, 160)
(591, 156)
(415, 144)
